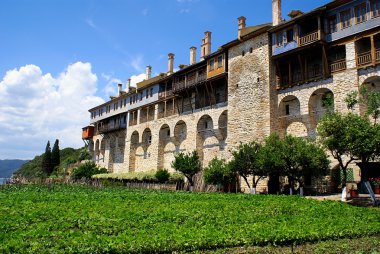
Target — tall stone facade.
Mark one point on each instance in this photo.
(273, 79)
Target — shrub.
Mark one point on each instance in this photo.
(162, 175)
(218, 172)
(87, 170)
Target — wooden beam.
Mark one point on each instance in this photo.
(212, 93)
(302, 68)
(187, 92)
(373, 50)
(325, 62)
(278, 72)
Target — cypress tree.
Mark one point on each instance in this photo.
(46, 160)
(55, 156)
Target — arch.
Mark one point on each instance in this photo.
(205, 123)
(139, 159)
(132, 154)
(297, 129)
(289, 106)
(164, 134)
(146, 137)
(222, 124)
(103, 146)
(180, 131)
(168, 156)
(97, 147)
(321, 100)
(370, 84)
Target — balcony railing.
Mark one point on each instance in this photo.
(309, 38)
(339, 65)
(132, 122)
(364, 59)
(191, 80)
(378, 55)
(111, 127)
(315, 72)
(163, 95)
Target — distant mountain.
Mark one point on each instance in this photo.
(7, 167)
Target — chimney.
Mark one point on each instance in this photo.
(276, 12)
(148, 72)
(241, 20)
(170, 63)
(129, 85)
(119, 87)
(193, 55)
(206, 45)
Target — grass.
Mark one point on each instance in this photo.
(79, 219)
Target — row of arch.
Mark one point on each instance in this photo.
(206, 138)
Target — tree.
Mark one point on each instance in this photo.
(348, 136)
(245, 164)
(46, 160)
(87, 170)
(55, 156)
(219, 172)
(293, 157)
(188, 165)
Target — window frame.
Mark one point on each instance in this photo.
(345, 23)
(212, 64)
(220, 61)
(357, 8)
(375, 13)
(332, 28)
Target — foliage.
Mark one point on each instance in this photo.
(55, 156)
(149, 176)
(162, 175)
(244, 162)
(87, 170)
(46, 160)
(219, 172)
(349, 135)
(187, 164)
(293, 157)
(351, 99)
(33, 168)
(328, 102)
(80, 219)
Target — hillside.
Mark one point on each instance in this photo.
(33, 168)
(7, 167)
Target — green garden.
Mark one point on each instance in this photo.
(82, 219)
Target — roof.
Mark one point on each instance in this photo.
(320, 9)
(151, 81)
(248, 33)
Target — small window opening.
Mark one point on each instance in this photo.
(287, 109)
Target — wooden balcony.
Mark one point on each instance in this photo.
(364, 59)
(191, 80)
(163, 95)
(111, 127)
(338, 65)
(132, 122)
(309, 38)
(378, 55)
(87, 132)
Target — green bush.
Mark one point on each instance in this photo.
(162, 175)
(87, 170)
(149, 176)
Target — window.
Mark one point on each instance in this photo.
(212, 62)
(360, 13)
(168, 133)
(287, 109)
(243, 53)
(125, 102)
(279, 39)
(289, 35)
(250, 50)
(375, 8)
(151, 92)
(92, 115)
(130, 100)
(141, 96)
(206, 125)
(150, 139)
(220, 61)
(101, 112)
(146, 93)
(121, 103)
(345, 19)
(331, 24)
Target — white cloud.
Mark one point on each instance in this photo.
(136, 63)
(137, 78)
(111, 87)
(36, 107)
(91, 23)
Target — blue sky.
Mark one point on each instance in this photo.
(55, 52)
